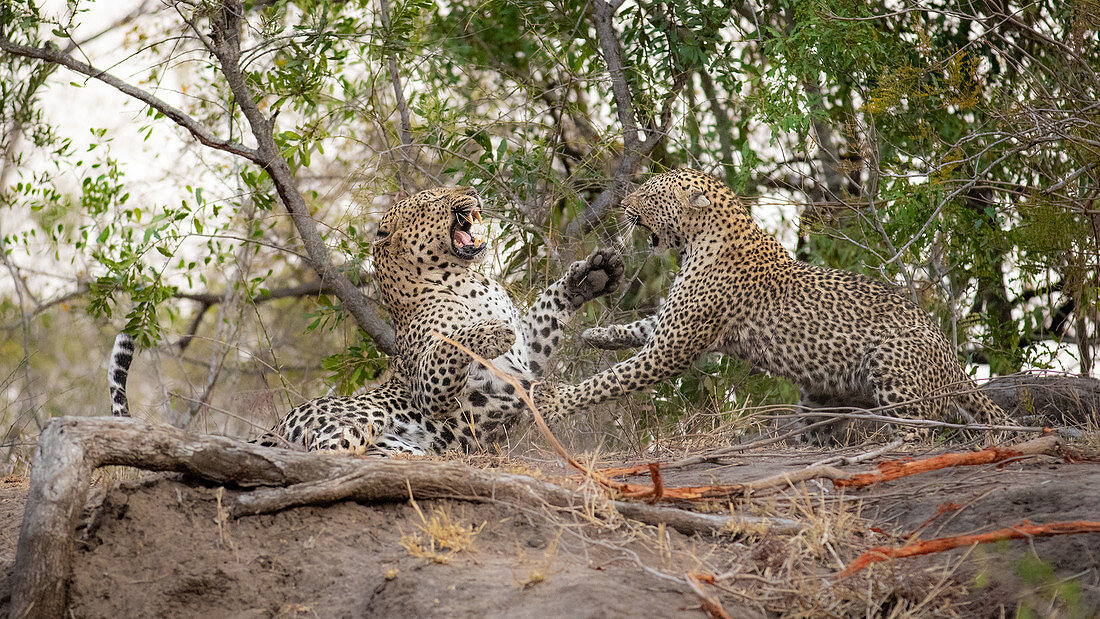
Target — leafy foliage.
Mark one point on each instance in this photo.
(950, 149)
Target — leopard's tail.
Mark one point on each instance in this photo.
(118, 371)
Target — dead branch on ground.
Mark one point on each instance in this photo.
(1050, 444)
(1023, 531)
(711, 605)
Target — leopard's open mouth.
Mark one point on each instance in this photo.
(636, 221)
(464, 243)
(654, 240)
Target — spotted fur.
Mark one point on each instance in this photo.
(438, 398)
(117, 370)
(842, 337)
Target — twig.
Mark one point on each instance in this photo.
(638, 491)
(51, 54)
(712, 456)
(711, 606)
(658, 483)
(1023, 531)
(863, 457)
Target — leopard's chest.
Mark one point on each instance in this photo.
(489, 302)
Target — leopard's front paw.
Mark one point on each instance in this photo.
(548, 401)
(614, 337)
(488, 338)
(597, 275)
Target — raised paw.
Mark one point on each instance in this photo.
(595, 276)
(614, 337)
(488, 338)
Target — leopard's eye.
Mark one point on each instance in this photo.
(382, 233)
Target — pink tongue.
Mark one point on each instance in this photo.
(462, 238)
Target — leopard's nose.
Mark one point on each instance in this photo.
(467, 191)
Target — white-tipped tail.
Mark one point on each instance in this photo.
(118, 371)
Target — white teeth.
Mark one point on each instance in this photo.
(479, 231)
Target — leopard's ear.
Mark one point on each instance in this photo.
(385, 240)
(698, 199)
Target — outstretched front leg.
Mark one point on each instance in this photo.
(587, 279)
(440, 373)
(618, 337)
(684, 331)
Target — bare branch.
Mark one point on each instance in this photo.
(634, 150)
(227, 47)
(51, 54)
(620, 90)
(404, 129)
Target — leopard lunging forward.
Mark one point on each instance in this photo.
(845, 339)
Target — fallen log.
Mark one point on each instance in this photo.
(1023, 531)
(71, 448)
(377, 482)
(1058, 399)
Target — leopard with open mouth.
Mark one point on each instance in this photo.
(437, 398)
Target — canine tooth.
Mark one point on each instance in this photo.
(477, 216)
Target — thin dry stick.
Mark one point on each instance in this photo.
(711, 606)
(863, 457)
(540, 423)
(714, 455)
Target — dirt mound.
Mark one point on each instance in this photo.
(163, 546)
(171, 555)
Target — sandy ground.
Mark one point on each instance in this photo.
(155, 546)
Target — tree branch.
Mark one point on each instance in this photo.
(404, 129)
(51, 54)
(226, 43)
(227, 47)
(620, 90)
(634, 150)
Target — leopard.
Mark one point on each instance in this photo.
(438, 398)
(844, 338)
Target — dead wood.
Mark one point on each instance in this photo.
(691, 523)
(70, 448)
(1023, 531)
(711, 605)
(377, 482)
(1060, 399)
(1050, 444)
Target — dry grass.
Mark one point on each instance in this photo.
(440, 537)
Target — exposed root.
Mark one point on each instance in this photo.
(1023, 531)
(711, 606)
(1050, 444)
